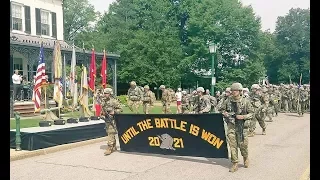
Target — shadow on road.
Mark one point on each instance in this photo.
(214, 161)
(294, 115)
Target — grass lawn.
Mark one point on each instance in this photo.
(35, 122)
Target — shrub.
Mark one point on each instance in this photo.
(122, 99)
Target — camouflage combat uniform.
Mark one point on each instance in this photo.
(146, 99)
(184, 103)
(204, 105)
(166, 100)
(237, 128)
(255, 98)
(277, 97)
(303, 99)
(285, 98)
(134, 97)
(110, 106)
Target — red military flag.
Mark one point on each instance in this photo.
(93, 71)
(104, 66)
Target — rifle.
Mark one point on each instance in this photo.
(239, 124)
(108, 119)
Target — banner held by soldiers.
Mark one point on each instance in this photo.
(173, 134)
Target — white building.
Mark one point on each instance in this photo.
(36, 21)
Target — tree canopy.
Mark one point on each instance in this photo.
(166, 41)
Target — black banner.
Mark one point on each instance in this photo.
(200, 135)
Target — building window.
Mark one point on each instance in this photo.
(16, 17)
(45, 27)
(18, 65)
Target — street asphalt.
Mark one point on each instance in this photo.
(283, 154)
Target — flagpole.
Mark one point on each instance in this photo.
(65, 76)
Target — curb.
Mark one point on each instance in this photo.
(45, 151)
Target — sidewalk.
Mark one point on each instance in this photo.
(17, 155)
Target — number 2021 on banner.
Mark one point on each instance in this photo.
(155, 141)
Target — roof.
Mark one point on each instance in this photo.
(34, 41)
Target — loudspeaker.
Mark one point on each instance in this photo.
(59, 122)
(94, 118)
(45, 123)
(83, 119)
(72, 120)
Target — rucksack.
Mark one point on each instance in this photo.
(153, 97)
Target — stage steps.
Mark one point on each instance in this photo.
(26, 108)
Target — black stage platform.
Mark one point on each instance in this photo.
(44, 137)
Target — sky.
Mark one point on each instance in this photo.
(268, 10)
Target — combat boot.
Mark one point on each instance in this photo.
(246, 162)
(114, 148)
(251, 134)
(264, 131)
(108, 150)
(234, 167)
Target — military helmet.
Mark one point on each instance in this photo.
(236, 87)
(246, 89)
(107, 91)
(162, 87)
(264, 89)
(200, 89)
(146, 87)
(228, 89)
(133, 83)
(255, 86)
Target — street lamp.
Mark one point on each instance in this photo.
(212, 49)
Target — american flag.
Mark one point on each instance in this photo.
(39, 80)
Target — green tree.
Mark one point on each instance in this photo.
(78, 14)
(293, 38)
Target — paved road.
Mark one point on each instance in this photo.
(283, 154)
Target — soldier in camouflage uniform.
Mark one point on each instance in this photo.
(276, 100)
(307, 89)
(285, 98)
(265, 109)
(272, 103)
(290, 98)
(237, 111)
(166, 99)
(146, 99)
(303, 98)
(110, 106)
(213, 101)
(255, 98)
(134, 97)
(204, 105)
(184, 102)
(246, 92)
(218, 96)
(224, 97)
(295, 98)
(192, 100)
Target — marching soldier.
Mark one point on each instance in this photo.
(184, 102)
(192, 100)
(204, 105)
(146, 99)
(110, 106)
(134, 97)
(224, 97)
(237, 111)
(303, 99)
(165, 99)
(213, 101)
(255, 98)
